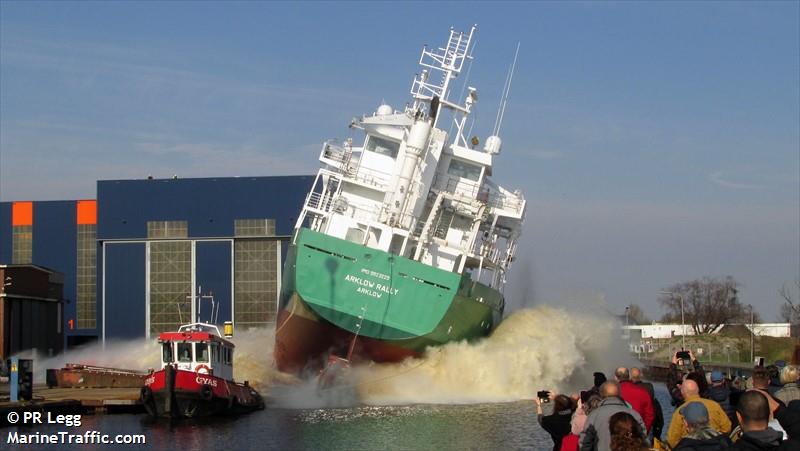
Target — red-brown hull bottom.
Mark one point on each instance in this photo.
(302, 345)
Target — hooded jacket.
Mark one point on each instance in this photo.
(722, 395)
(767, 439)
(789, 418)
(596, 434)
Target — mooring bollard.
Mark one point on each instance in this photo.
(13, 378)
(20, 379)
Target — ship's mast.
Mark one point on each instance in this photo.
(442, 66)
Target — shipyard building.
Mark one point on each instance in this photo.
(134, 258)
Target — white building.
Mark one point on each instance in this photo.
(675, 330)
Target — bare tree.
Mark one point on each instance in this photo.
(707, 303)
(790, 310)
(637, 316)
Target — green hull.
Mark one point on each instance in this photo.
(378, 296)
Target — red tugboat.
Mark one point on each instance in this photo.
(196, 377)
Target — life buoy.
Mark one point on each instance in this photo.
(206, 393)
(202, 369)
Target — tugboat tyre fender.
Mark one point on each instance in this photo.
(206, 393)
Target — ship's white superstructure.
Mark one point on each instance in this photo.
(416, 190)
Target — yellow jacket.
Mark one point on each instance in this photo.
(717, 419)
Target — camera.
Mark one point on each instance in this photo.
(544, 395)
(683, 355)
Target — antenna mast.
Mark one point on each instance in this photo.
(448, 62)
(501, 111)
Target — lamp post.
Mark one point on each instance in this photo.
(627, 334)
(752, 335)
(683, 321)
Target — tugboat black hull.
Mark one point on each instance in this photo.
(172, 393)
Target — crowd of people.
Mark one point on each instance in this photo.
(712, 412)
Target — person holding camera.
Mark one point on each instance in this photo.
(557, 424)
(683, 363)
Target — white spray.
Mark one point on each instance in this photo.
(138, 355)
(252, 357)
(541, 348)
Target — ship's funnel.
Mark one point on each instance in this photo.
(416, 143)
(418, 138)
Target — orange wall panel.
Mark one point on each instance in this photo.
(22, 214)
(87, 212)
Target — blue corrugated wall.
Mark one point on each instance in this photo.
(213, 274)
(5, 232)
(210, 205)
(55, 246)
(125, 291)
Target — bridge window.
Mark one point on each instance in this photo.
(201, 352)
(356, 234)
(166, 352)
(383, 146)
(184, 352)
(464, 170)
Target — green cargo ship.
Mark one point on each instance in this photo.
(403, 243)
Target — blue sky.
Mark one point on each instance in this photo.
(656, 142)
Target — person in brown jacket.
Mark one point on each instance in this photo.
(718, 419)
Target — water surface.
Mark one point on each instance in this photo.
(495, 426)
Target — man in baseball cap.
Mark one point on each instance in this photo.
(720, 392)
(701, 435)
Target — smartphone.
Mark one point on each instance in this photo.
(683, 355)
(544, 395)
